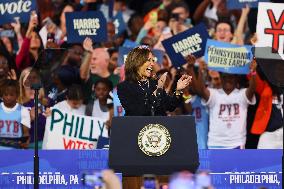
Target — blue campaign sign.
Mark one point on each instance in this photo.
(239, 4)
(9, 9)
(123, 51)
(86, 24)
(65, 168)
(110, 8)
(119, 23)
(191, 41)
(130, 44)
(228, 58)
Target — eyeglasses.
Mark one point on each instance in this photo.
(223, 30)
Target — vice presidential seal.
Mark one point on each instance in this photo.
(154, 140)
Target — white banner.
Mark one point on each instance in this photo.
(270, 30)
(68, 131)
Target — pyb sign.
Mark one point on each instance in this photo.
(191, 41)
(86, 24)
(9, 9)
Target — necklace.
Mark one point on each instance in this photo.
(144, 85)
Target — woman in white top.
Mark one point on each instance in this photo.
(73, 103)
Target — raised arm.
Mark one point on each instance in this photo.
(252, 84)
(17, 29)
(197, 82)
(85, 66)
(199, 13)
(238, 35)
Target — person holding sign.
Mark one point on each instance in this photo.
(139, 94)
(227, 109)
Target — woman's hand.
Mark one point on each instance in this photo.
(12, 74)
(183, 82)
(162, 80)
(32, 24)
(47, 112)
(16, 26)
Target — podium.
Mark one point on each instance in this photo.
(176, 136)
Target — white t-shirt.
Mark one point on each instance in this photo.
(65, 107)
(97, 112)
(25, 114)
(227, 117)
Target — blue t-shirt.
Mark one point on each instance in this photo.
(118, 109)
(201, 121)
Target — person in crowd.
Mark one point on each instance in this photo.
(135, 23)
(14, 118)
(102, 106)
(197, 108)
(139, 94)
(30, 47)
(73, 103)
(96, 67)
(269, 120)
(60, 20)
(5, 73)
(227, 109)
(113, 61)
(224, 30)
(26, 98)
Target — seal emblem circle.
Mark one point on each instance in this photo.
(154, 140)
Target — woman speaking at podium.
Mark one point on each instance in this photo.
(140, 94)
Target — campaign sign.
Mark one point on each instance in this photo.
(123, 52)
(9, 9)
(110, 8)
(119, 24)
(228, 58)
(270, 30)
(191, 41)
(269, 51)
(239, 4)
(86, 24)
(69, 131)
(130, 44)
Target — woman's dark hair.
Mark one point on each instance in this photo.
(75, 92)
(225, 21)
(106, 82)
(57, 15)
(11, 83)
(135, 59)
